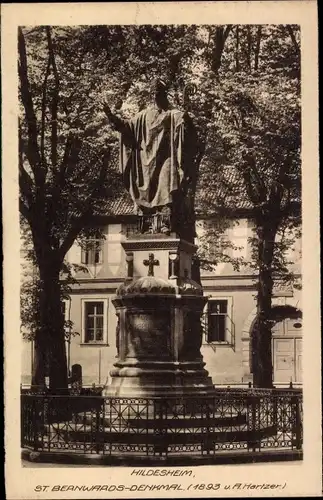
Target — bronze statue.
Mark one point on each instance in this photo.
(157, 153)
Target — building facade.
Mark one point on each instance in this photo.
(228, 320)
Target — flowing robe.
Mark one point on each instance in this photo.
(153, 159)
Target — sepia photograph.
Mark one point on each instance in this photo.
(160, 202)
(160, 187)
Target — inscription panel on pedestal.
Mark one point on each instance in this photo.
(148, 334)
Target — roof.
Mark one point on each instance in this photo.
(121, 206)
(225, 191)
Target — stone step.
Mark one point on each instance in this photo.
(164, 426)
(150, 420)
(170, 422)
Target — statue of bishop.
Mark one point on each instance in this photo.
(157, 161)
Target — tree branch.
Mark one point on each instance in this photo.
(33, 154)
(43, 112)
(255, 187)
(293, 38)
(237, 49)
(257, 49)
(71, 237)
(70, 158)
(25, 181)
(66, 157)
(24, 210)
(220, 37)
(227, 31)
(25, 184)
(249, 46)
(54, 99)
(277, 189)
(88, 210)
(292, 208)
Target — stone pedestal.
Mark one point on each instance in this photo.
(159, 331)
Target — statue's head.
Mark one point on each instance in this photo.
(159, 86)
(159, 90)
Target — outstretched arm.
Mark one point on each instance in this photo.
(120, 125)
(117, 122)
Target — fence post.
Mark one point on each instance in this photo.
(47, 410)
(254, 422)
(209, 442)
(253, 427)
(297, 420)
(35, 421)
(97, 426)
(275, 397)
(160, 432)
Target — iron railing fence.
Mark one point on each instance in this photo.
(228, 420)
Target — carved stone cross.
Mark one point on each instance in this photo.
(151, 262)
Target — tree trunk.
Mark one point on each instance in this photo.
(293, 38)
(52, 325)
(237, 49)
(196, 270)
(39, 364)
(262, 352)
(249, 46)
(220, 36)
(257, 48)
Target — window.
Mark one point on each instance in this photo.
(92, 251)
(94, 329)
(217, 316)
(218, 326)
(94, 322)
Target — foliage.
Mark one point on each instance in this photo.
(215, 245)
(73, 158)
(67, 174)
(30, 288)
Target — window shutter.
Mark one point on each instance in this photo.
(204, 323)
(83, 256)
(91, 252)
(230, 325)
(98, 252)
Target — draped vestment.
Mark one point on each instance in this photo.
(153, 156)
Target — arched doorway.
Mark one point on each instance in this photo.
(286, 345)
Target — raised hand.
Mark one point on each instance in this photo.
(116, 122)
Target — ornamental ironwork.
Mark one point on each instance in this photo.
(239, 421)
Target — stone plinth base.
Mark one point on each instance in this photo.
(161, 380)
(159, 343)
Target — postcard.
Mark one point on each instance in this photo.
(161, 250)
